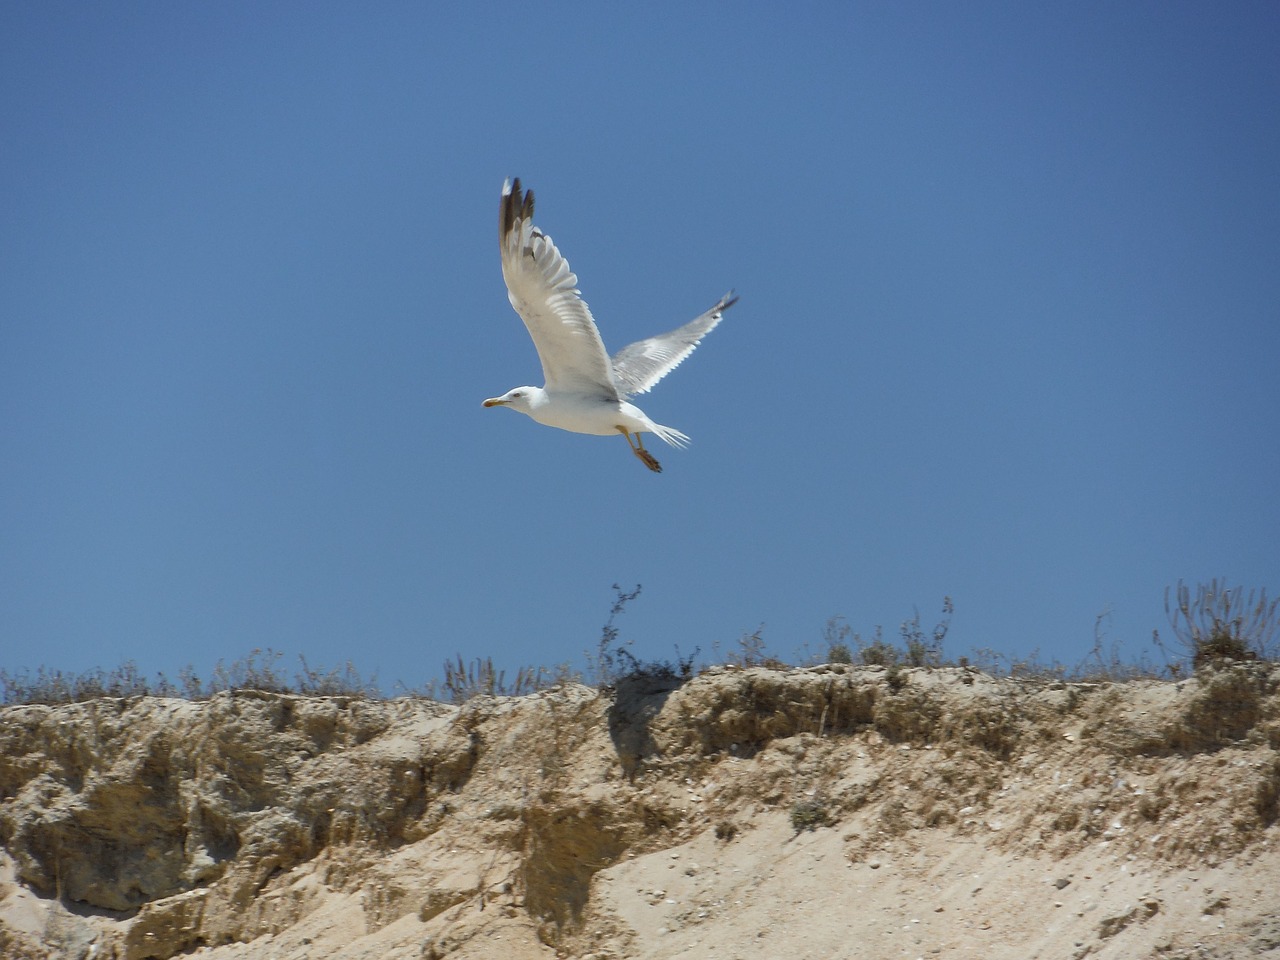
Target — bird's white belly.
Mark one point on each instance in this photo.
(584, 414)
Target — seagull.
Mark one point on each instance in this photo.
(586, 390)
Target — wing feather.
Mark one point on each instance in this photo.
(640, 365)
(544, 291)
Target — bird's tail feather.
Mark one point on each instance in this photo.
(670, 434)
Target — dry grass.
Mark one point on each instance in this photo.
(1216, 625)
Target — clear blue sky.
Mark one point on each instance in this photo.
(1009, 328)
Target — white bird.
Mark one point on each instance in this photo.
(586, 391)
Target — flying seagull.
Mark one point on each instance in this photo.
(586, 390)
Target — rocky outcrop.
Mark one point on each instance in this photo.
(146, 827)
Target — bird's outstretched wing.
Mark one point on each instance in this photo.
(638, 366)
(544, 291)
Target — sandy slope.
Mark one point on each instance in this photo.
(940, 813)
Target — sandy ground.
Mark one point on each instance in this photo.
(776, 893)
(806, 815)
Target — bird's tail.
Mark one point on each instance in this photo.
(670, 434)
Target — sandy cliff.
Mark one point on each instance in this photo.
(820, 813)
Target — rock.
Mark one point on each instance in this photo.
(146, 828)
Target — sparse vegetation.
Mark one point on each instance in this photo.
(344, 681)
(726, 830)
(612, 661)
(464, 681)
(1104, 662)
(839, 653)
(922, 651)
(55, 686)
(810, 814)
(915, 650)
(260, 670)
(1216, 624)
(1221, 623)
(752, 651)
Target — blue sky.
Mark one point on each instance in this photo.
(1009, 327)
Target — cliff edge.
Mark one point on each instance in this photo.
(825, 812)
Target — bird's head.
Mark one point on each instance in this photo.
(520, 399)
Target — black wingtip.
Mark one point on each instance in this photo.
(727, 301)
(516, 205)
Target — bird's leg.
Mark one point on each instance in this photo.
(645, 457)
